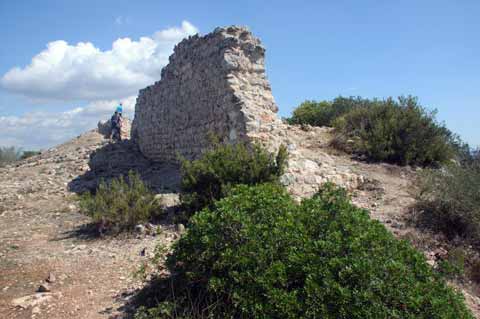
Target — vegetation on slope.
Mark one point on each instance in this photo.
(324, 113)
(120, 204)
(27, 154)
(403, 132)
(11, 154)
(449, 199)
(397, 131)
(258, 254)
(211, 177)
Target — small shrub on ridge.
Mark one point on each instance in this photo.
(324, 113)
(27, 154)
(120, 204)
(9, 155)
(400, 132)
(211, 177)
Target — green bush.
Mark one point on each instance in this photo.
(311, 113)
(324, 113)
(401, 132)
(120, 204)
(9, 155)
(258, 254)
(398, 131)
(449, 201)
(27, 154)
(211, 177)
(454, 265)
(12, 154)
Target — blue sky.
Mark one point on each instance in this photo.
(315, 50)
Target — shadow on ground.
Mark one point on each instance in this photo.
(92, 231)
(85, 232)
(158, 289)
(116, 159)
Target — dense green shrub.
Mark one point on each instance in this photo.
(454, 265)
(212, 176)
(324, 113)
(311, 113)
(258, 254)
(401, 132)
(398, 131)
(120, 204)
(449, 200)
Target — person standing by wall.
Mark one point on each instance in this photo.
(116, 123)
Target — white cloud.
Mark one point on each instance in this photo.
(38, 130)
(84, 72)
(122, 20)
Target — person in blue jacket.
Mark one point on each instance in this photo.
(116, 122)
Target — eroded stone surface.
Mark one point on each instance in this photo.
(217, 83)
(309, 163)
(214, 83)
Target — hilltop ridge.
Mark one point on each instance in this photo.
(53, 264)
(42, 231)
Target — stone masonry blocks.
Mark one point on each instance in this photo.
(214, 83)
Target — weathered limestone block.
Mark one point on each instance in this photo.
(214, 83)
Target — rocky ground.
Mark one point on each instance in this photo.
(45, 242)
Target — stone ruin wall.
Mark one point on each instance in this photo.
(214, 83)
(217, 83)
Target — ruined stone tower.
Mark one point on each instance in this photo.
(213, 83)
